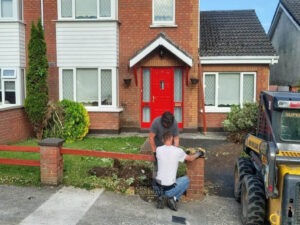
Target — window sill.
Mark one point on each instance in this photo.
(104, 109)
(10, 107)
(217, 110)
(163, 25)
(11, 21)
(86, 20)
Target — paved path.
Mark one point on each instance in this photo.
(70, 206)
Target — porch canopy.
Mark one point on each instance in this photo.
(161, 41)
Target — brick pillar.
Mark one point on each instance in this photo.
(51, 161)
(195, 171)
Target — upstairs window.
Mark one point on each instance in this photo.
(163, 11)
(11, 10)
(86, 9)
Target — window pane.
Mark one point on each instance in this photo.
(248, 91)
(10, 92)
(290, 125)
(105, 8)
(210, 89)
(163, 10)
(229, 89)
(178, 85)
(87, 86)
(66, 8)
(7, 8)
(146, 85)
(146, 114)
(20, 9)
(67, 85)
(86, 9)
(178, 114)
(106, 87)
(9, 73)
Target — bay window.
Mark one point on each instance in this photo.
(87, 9)
(163, 11)
(11, 9)
(11, 87)
(93, 87)
(222, 90)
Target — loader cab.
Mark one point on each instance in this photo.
(283, 110)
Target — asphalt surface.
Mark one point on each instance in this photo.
(22, 204)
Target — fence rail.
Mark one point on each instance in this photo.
(113, 155)
(19, 162)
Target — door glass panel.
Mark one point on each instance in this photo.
(178, 114)
(146, 114)
(162, 85)
(10, 92)
(178, 85)
(210, 87)
(67, 83)
(229, 89)
(146, 85)
(248, 91)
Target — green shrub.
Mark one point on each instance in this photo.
(36, 79)
(76, 121)
(66, 119)
(241, 121)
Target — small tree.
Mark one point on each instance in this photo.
(36, 79)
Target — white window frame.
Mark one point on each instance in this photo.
(113, 13)
(15, 9)
(100, 108)
(216, 109)
(164, 22)
(18, 87)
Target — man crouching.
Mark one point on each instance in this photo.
(166, 184)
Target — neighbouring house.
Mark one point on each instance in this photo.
(236, 55)
(285, 37)
(128, 61)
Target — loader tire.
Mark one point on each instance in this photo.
(243, 167)
(253, 201)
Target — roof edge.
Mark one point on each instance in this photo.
(239, 59)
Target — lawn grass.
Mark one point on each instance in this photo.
(76, 167)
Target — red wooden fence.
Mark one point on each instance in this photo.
(20, 162)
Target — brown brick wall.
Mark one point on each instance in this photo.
(195, 172)
(14, 126)
(136, 17)
(104, 121)
(32, 12)
(214, 120)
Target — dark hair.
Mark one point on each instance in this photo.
(167, 119)
(166, 136)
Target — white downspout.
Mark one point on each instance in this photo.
(42, 12)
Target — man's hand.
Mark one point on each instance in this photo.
(197, 155)
(176, 141)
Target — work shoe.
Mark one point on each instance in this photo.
(172, 203)
(160, 202)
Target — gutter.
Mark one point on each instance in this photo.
(42, 12)
(239, 59)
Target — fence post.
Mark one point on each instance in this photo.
(51, 161)
(195, 171)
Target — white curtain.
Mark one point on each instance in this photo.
(66, 8)
(178, 85)
(163, 10)
(86, 9)
(87, 86)
(248, 88)
(6, 8)
(229, 89)
(67, 83)
(106, 87)
(105, 8)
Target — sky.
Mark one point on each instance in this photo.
(265, 9)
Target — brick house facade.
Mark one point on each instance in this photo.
(128, 61)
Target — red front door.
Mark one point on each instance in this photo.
(159, 94)
(161, 91)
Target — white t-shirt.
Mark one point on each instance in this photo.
(168, 158)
